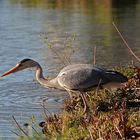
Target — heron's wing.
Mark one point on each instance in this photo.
(76, 66)
(80, 78)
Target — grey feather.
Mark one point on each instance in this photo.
(85, 76)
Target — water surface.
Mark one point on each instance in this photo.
(25, 24)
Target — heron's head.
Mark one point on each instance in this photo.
(25, 63)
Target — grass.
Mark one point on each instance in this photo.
(112, 115)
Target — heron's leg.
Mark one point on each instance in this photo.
(85, 102)
(70, 94)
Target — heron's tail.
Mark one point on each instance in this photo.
(115, 76)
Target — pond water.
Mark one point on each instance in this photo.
(80, 24)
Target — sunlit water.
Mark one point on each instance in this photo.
(23, 27)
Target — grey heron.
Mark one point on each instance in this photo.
(76, 77)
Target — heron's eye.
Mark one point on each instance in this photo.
(20, 64)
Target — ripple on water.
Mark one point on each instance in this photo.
(28, 95)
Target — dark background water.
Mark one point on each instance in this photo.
(24, 25)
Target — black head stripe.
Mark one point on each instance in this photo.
(24, 60)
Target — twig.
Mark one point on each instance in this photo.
(50, 47)
(57, 54)
(118, 131)
(35, 131)
(16, 134)
(98, 86)
(94, 56)
(68, 45)
(126, 44)
(45, 109)
(91, 134)
(20, 127)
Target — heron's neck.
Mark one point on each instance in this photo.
(45, 82)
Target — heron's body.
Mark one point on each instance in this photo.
(76, 77)
(80, 77)
(84, 77)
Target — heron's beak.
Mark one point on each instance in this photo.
(14, 69)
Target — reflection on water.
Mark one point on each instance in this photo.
(23, 21)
